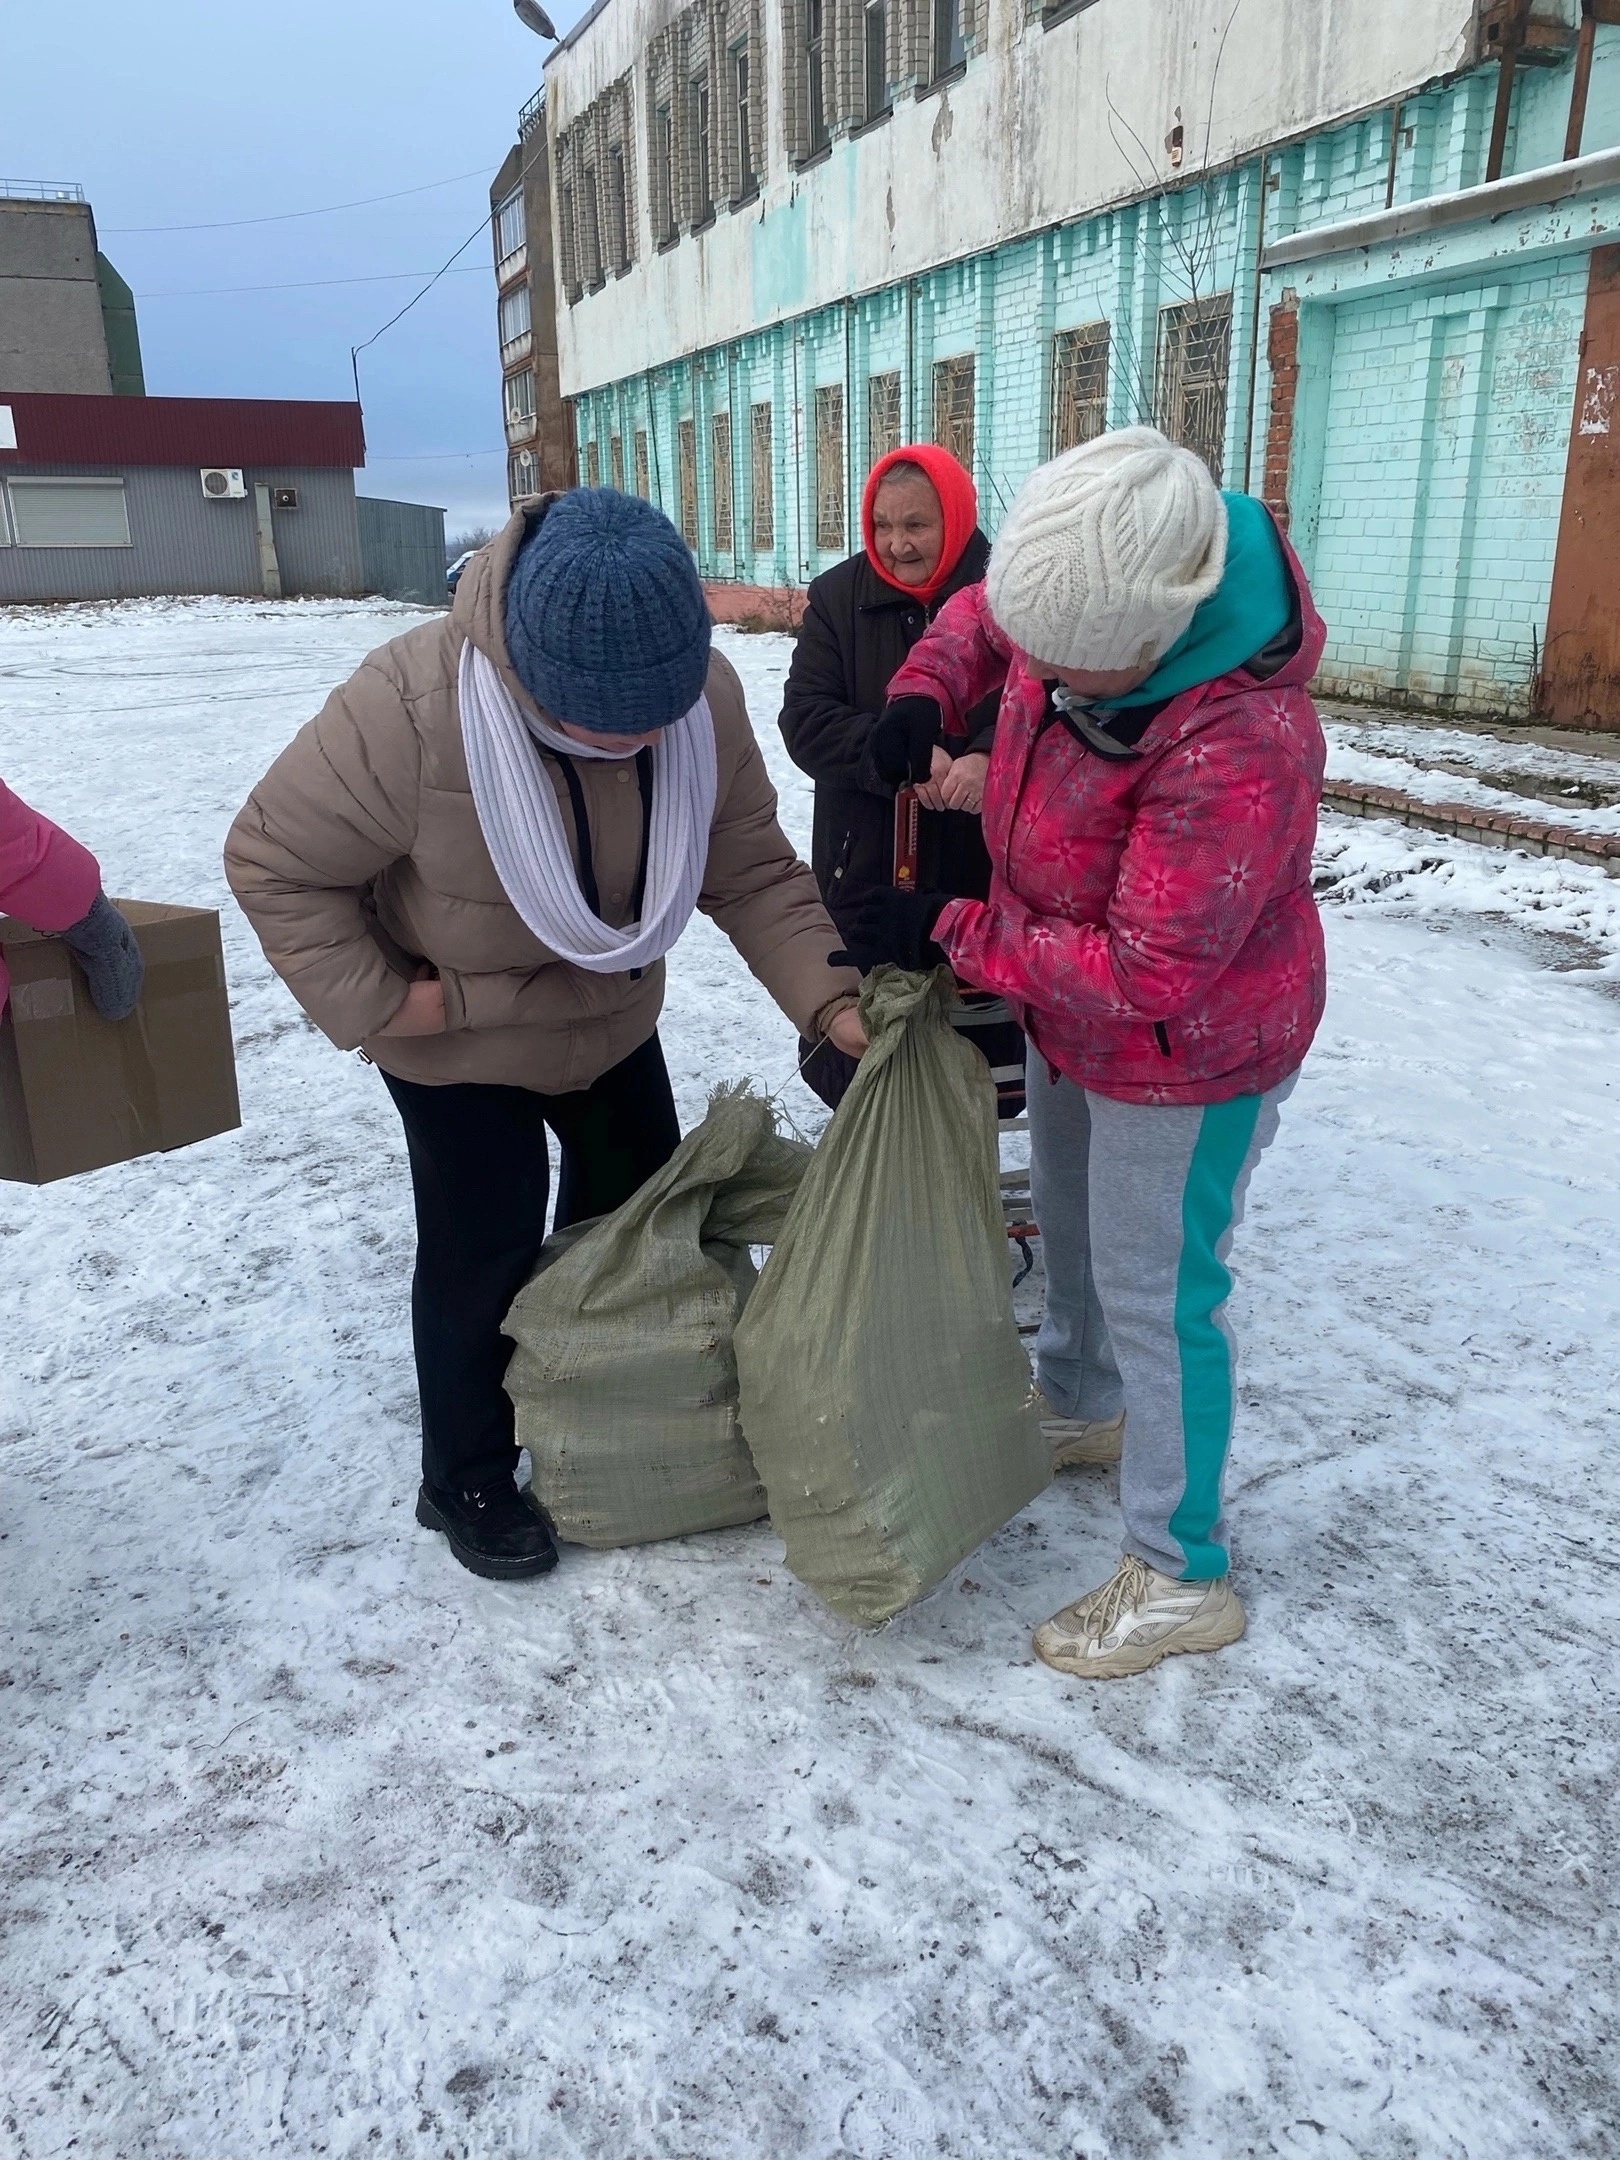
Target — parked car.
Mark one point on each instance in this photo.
(453, 575)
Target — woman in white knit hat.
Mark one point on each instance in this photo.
(1150, 810)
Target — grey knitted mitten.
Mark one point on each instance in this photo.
(110, 957)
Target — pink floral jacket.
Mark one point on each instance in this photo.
(1150, 921)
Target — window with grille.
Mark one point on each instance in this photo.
(643, 475)
(702, 152)
(762, 477)
(817, 136)
(882, 415)
(829, 409)
(590, 239)
(720, 480)
(616, 462)
(953, 407)
(664, 172)
(950, 43)
(570, 248)
(742, 122)
(686, 459)
(70, 513)
(618, 212)
(1195, 347)
(1079, 385)
(593, 464)
(514, 314)
(510, 229)
(879, 91)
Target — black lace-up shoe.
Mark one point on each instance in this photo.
(498, 1532)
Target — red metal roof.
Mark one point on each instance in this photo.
(183, 431)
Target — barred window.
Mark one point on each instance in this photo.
(1195, 345)
(616, 461)
(829, 409)
(762, 477)
(882, 415)
(593, 464)
(1079, 385)
(618, 212)
(686, 457)
(953, 407)
(720, 480)
(643, 476)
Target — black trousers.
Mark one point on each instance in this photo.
(481, 1179)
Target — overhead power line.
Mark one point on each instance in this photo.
(356, 350)
(279, 217)
(377, 277)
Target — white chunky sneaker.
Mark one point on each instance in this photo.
(1137, 1618)
(1093, 1442)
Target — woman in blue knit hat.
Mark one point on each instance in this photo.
(470, 865)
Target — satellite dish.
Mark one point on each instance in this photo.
(534, 17)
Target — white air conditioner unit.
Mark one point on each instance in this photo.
(223, 483)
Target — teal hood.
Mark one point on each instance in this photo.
(1251, 605)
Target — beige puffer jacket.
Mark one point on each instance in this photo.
(359, 854)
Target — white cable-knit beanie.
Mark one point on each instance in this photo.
(1106, 552)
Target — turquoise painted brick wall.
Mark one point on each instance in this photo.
(1432, 430)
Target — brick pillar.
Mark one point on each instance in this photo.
(1282, 351)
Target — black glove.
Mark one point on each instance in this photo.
(902, 742)
(893, 925)
(110, 957)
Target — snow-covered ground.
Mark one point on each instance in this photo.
(313, 1844)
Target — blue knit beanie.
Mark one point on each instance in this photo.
(606, 623)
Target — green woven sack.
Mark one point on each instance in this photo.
(623, 1378)
(883, 1384)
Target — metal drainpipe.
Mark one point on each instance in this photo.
(1254, 324)
(1394, 151)
(849, 430)
(1581, 81)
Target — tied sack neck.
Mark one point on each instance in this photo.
(522, 825)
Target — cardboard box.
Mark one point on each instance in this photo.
(78, 1092)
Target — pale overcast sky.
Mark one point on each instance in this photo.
(196, 112)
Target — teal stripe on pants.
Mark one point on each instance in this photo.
(1203, 1285)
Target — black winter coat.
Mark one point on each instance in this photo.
(856, 632)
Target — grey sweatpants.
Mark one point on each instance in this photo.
(1137, 1203)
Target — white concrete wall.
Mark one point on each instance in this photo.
(1046, 125)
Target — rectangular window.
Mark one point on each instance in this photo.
(816, 135)
(510, 229)
(953, 407)
(70, 513)
(643, 473)
(616, 462)
(950, 46)
(830, 468)
(882, 415)
(520, 396)
(522, 476)
(743, 123)
(570, 247)
(1079, 385)
(720, 481)
(514, 314)
(761, 477)
(590, 239)
(879, 91)
(664, 172)
(702, 153)
(618, 212)
(1195, 345)
(686, 459)
(593, 464)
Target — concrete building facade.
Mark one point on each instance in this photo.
(1348, 249)
(67, 319)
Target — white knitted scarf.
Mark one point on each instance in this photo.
(522, 825)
